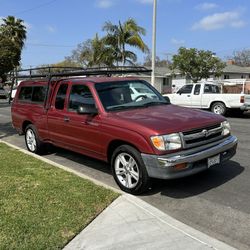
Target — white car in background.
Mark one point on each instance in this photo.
(210, 96)
(139, 92)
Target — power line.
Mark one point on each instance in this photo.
(35, 7)
(51, 45)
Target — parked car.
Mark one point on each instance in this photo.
(141, 138)
(12, 93)
(209, 96)
(138, 91)
(3, 93)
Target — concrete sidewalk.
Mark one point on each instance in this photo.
(130, 223)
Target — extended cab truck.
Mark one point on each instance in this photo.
(209, 96)
(141, 138)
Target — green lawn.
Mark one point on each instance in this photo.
(41, 206)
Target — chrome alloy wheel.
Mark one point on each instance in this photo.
(126, 170)
(218, 109)
(31, 140)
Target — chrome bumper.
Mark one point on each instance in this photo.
(163, 167)
(245, 107)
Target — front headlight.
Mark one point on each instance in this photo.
(226, 128)
(167, 142)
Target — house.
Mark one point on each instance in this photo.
(166, 82)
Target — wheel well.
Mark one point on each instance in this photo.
(215, 102)
(25, 124)
(115, 144)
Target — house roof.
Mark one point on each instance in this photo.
(230, 68)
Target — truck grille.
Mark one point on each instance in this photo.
(201, 136)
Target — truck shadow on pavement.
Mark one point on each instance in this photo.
(245, 115)
(79, 162)
(6, 130)
(199, 183)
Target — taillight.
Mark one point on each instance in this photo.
(242, 99)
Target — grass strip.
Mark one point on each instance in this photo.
(41, 206)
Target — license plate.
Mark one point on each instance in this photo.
(213, 161)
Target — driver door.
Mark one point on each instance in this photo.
(80, 132)
(183, 97)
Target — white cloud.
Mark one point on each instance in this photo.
(51, 29)
(28, 26)
(219, 21)
(206, 6)
(105, 4)
(177, 42)
(146, 1)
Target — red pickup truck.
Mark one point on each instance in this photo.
(140, 134)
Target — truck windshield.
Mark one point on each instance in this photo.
(125, 95)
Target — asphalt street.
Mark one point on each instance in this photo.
(216, 202)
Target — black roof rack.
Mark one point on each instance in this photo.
(51, 72)
(78, 71)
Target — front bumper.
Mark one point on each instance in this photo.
(245, 107)
(164, 167)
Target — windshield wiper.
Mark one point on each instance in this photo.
(147, 104)
(121, 107)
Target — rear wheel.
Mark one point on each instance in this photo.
(32, 140)
(219, 108)
(129, 170)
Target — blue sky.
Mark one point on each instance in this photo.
(55, 27)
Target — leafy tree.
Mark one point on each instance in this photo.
(12, 37)
(93, 52)
(242, 58)
(122, 34)
(158, 62)
(14, 29)
(56, 67)
(197, 64)
(9, 55)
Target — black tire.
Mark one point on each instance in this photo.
(131, 178)
(219, 108)
(32, 141)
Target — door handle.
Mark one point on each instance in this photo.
(188, 95)
(66, 119)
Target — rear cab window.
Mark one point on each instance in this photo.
(32, 94)
(211, 89)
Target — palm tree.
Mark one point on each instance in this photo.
(94, 52)
(128, 33)
(14, 29)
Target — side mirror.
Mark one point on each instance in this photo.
(87, 110)
(166, 98)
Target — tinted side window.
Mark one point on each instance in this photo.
(80, 95)
(197, 89)
(187, 89)
(61, 96)
(211, 89)
(39, 94)
(25, 94)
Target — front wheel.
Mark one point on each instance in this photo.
(32, 140)
(129, 170)
(219, 108)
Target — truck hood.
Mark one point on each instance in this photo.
(163, 119)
